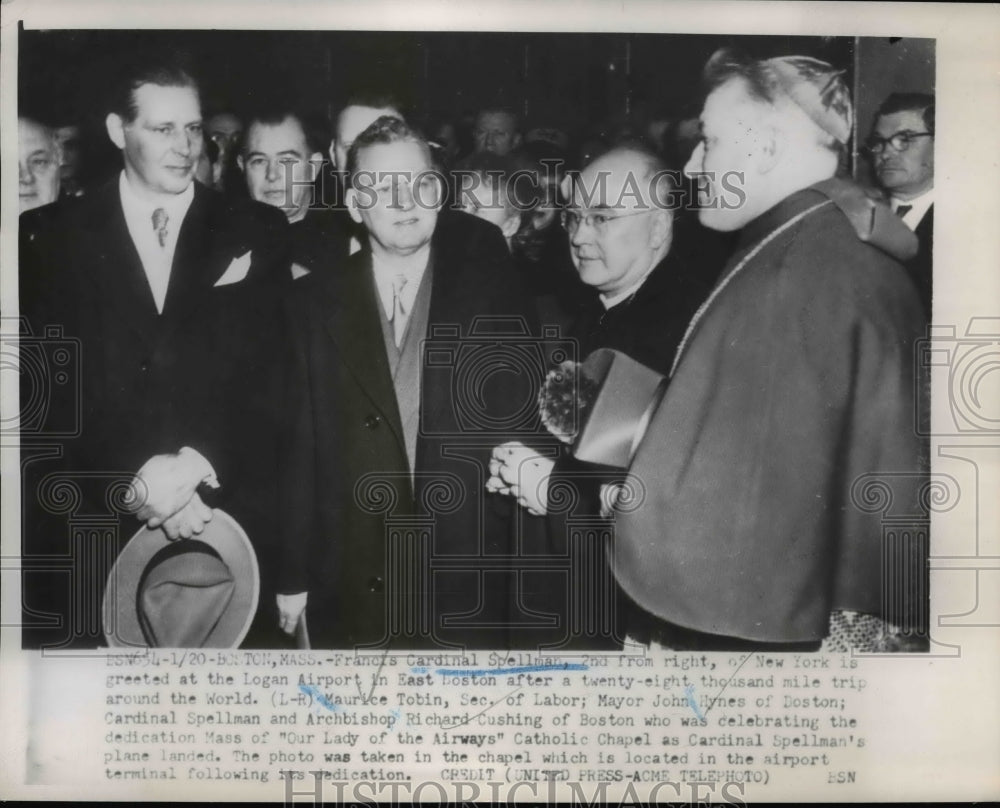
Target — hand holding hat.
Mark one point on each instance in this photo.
(165, 485)
(188, 521)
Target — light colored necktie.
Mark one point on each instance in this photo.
(160, 220)
(398, 318)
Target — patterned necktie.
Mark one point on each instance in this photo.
(398, 318)
(902, 210)
(160, 220)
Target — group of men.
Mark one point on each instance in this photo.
(342, 382)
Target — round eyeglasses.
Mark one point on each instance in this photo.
(900, 141)
(571, 219)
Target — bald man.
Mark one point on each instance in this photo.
(39, 158)
(620, 226)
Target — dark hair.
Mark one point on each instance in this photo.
(313, 125)
(173, 70)
(373, 98)
(383, 131)
(910, 102)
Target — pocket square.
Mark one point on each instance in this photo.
(236, 271)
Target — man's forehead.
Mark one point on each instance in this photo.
(284, 136)
(34, 135)
(225, 123)
(612, 181)
(504, 120)
(353, 120)
(402, 155)
(161, 101)
(911, 120)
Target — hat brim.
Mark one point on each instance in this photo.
(225, 535)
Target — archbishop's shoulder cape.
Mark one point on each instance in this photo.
(795, 382)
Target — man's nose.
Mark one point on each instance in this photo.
(584, 233)
(404, 196)
(695, 162)
(273, 171)
(184, 143)
(24, 175)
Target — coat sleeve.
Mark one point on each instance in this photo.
(296, 465)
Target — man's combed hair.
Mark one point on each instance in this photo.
(173, 70)
(910, 102)
(384, 131)
(313, 124)
(373, 98)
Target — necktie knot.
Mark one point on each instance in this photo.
(160, 219)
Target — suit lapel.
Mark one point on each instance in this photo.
(117, 267)
(191, 273)
(348, 308)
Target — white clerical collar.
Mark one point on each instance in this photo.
(919, 205)
(176, 205)
(609, 301)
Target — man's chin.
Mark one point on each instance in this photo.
(724, 221)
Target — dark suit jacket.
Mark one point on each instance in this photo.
(921, 266)
(150, 383)
(347, 470)
(320, 241)
(647, 327)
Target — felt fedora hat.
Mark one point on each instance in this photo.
(200, 592)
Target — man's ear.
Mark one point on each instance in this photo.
(663, 229)
(116, 129)
(239, 162)
(771, 147)
(516, 141)
(332, 151)
(351, 200)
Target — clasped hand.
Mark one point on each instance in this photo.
(522, 473)
(165, 493)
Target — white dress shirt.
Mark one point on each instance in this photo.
(920, 205)
(156, 259)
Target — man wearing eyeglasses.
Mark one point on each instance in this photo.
(901, 148)
(619, 220)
